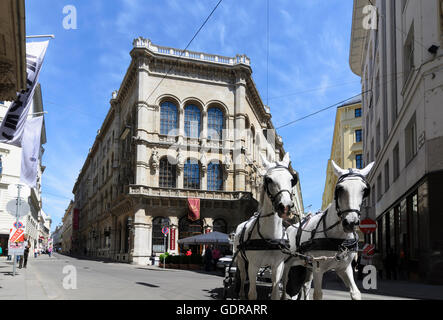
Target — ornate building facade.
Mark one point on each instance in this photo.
(183, 125)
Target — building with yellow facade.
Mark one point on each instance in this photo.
(347, 145)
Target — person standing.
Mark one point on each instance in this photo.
(35, 252)
(49, 251)
(1, 251)
(215, 257)
(24, 257)
(208, 258)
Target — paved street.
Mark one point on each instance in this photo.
(43, 279)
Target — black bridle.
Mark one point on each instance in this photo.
(274, 197)
(352, 174)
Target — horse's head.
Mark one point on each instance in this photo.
(350, 190)
(279, 181)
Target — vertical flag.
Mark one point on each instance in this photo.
(12, 126)
(194, 209)
(31, 151)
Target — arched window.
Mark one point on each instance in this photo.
(158, 239)
(192, 121)
(215, 177)
(220, 225)
(168, 118)
(215, 124)
(191, 175)
(167, 175)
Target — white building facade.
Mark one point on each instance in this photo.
(400, 61)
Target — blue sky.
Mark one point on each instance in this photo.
(308, 70)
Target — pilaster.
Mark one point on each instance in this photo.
(142, 230)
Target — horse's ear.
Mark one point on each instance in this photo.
(286, 160)
(265, 162)
(364, 172)
(337, 170)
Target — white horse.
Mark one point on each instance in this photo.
(334, 226)
(261, 235)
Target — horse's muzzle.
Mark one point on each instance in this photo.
(349, 227)
(283, 211)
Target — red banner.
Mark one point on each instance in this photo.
(75, 219)
(194, 209)
(172, 239)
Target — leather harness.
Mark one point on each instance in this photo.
(326, 243)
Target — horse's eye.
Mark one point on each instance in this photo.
(268, 180)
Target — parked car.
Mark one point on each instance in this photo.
(223, 263)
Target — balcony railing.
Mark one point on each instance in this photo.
(146, 43)
(136, 190)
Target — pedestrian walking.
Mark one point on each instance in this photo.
(24, 257)
(35, 252)
(1, 251)
(49, 252)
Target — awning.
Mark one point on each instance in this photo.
(208, 238)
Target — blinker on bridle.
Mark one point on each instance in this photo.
(365, 195)
(274, 197)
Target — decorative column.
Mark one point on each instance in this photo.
(180, 166)
(204, 133)
(181, 124)
(239, 133)
(142, 231)
(142, 162)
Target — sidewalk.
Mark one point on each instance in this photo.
(25, 285)
(405, 289)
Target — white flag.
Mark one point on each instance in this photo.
(11, 129)
(31, 151)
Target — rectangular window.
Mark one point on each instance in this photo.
(396, 157)
(359, 161)
(378, 137)
(414, 225)
(358, 112)
(408, 53)
(373, 195)
(358, 135)
(377, 88)
(387, 176)
(411, 139)
(379, 190)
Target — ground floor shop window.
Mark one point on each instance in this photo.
(188, 228)
(159, 245)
